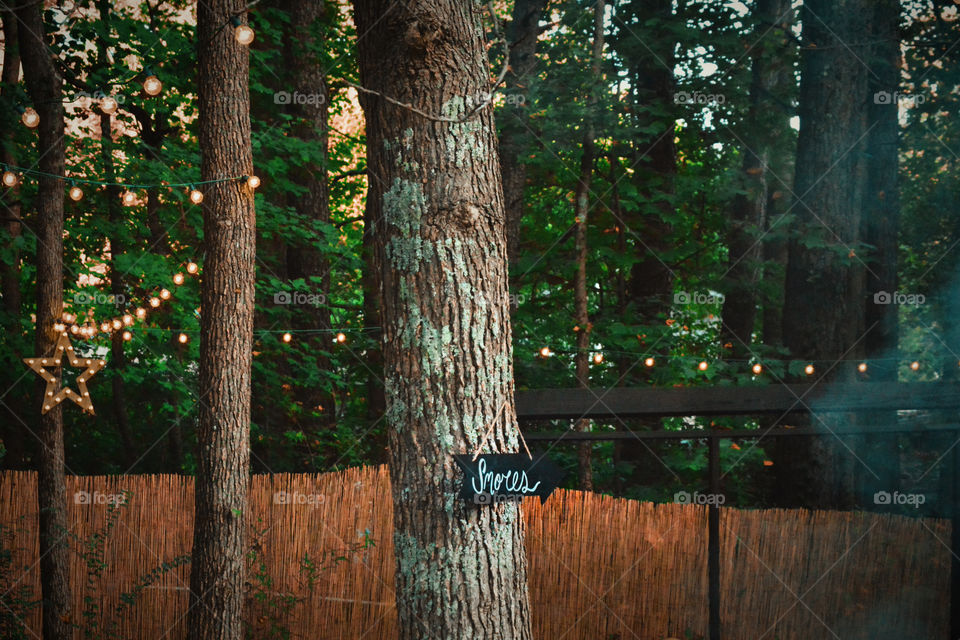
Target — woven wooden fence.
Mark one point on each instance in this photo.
(600, 568)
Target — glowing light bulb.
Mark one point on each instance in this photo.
(196, 197)
(545, 352)
(129, 198)
(244, 34)
(30, 117)
(757, 368)
(597, 358)
(703, 365)
(74, 329)
(192, 267)
(141, 313)
(108, 105)
(649, 362)
(183, 338)
(59, 327)
(127, 336)
(127, 319)
(105, 327)
(117, 323)
(862, 367)
(152, 85)
(10, 179)
(253, 182)
(154, 302)
(178, 278)
(287, 337)
(164, 294)
(68, 317)
(341, 337)
(808, 369)
(914, 365)
(75, 193)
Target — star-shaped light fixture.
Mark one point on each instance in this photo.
(54, 394)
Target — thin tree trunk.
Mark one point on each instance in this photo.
(581, 211)
(880, 228)
(514, 136)
(461, 568)
(45, 87)
(226, 329)
(11, 429)
(764, 125)
(823, 309)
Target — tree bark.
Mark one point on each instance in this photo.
(763, 130)
(514, 135)
(823, 308)
(226, 329)
(45, 87)
(581, 212)
(461, 568)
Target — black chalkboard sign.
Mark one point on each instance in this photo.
(507, 477)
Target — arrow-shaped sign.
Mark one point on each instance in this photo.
(502, 477)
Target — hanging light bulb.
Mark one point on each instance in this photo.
(152, 85)
(862, 367)
(178, 278)
(127, 320)
(129, 198)
(164, 294)
(68, 317)
(75, 193)
(341, 337)
(74, 329)
(196, 196)
(183, 338)
(244, 34)
(287, 337)
(117, 323)
(108, 104)
(915, 365)
(757, 368)
(598, 358)
(649, 362)
(127, 336)
(154, 302)
(59, 327)
(10, 179)
(141, 313)
(703, 365)
(30, 117)
(105, 327)
(253, 182)
(808, 369)
(192, 267)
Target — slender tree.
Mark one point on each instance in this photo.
(514, 134)
(45, 86)
(581, 213)
(461, 569)
(823, 306)
(223, 456)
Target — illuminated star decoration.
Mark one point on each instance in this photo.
(54, 393)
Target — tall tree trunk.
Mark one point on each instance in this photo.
(514, 134)
(305, 261)
(461, 568)
(46, 91)
(823, 308)
(226, 329)
(376, 398)
(11, 430)
(764, 127)
(581, 211)
(880, 228)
